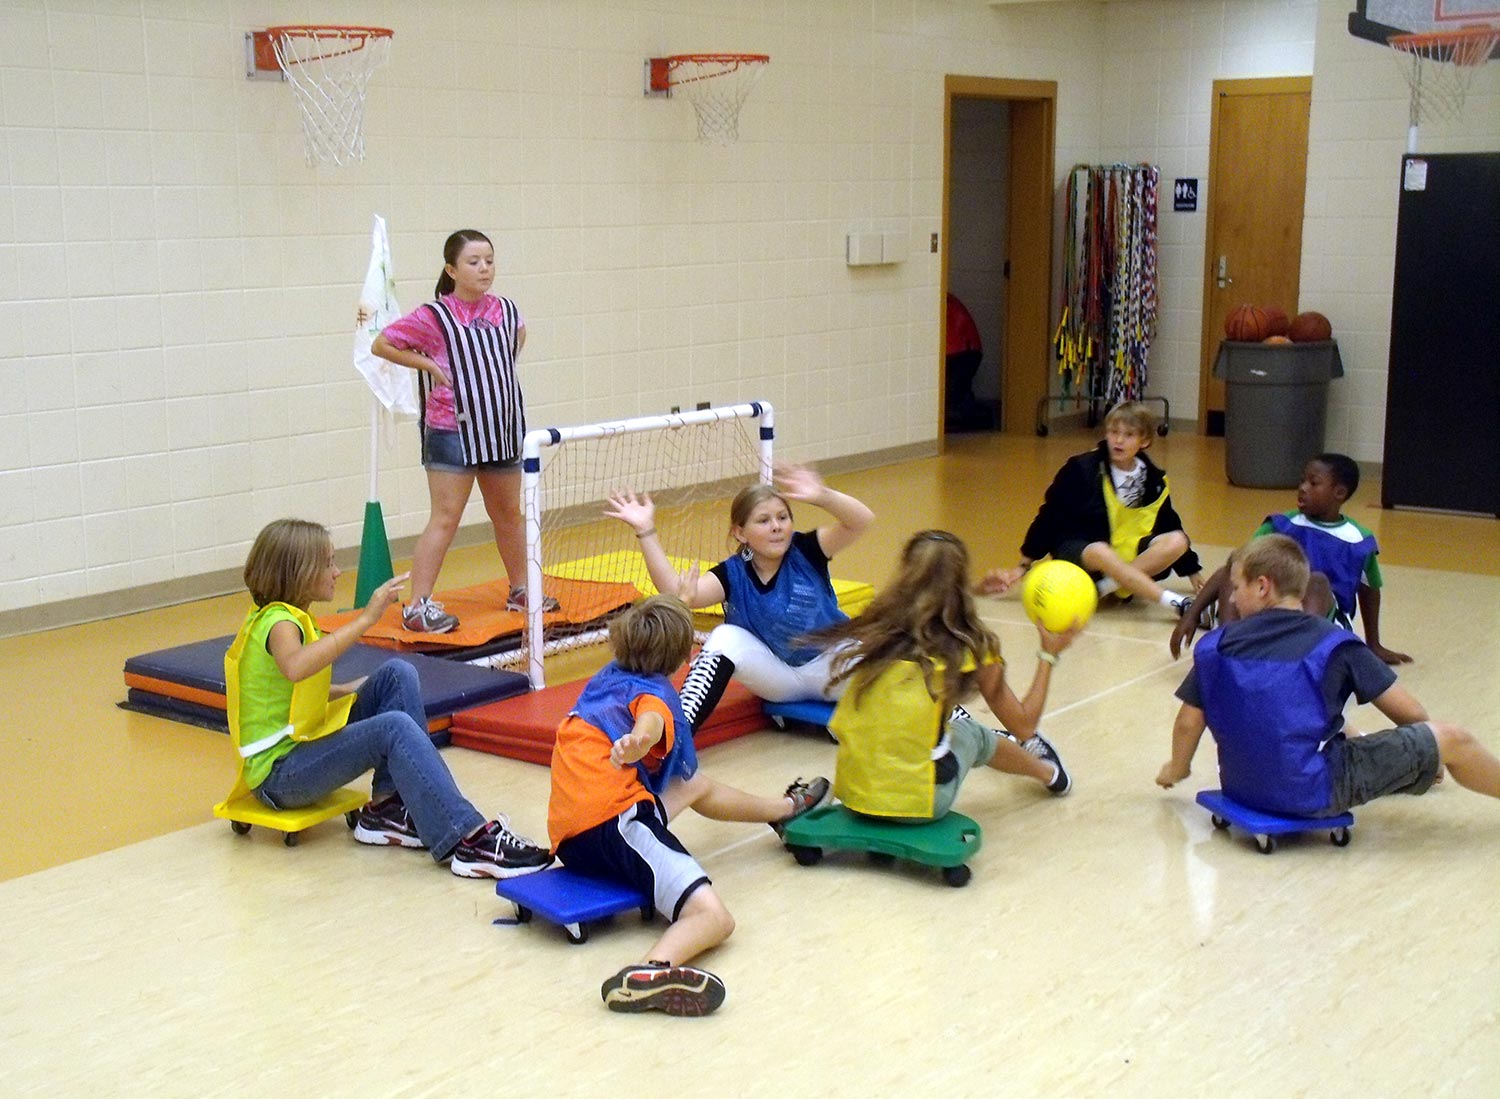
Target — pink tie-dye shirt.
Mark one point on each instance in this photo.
(419, 331)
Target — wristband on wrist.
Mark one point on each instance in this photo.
(647, 533)
(1047, 658)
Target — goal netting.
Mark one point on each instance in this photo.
(691, 464)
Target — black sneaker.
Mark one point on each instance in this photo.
(497, 852)
(656, 986)
(387, 825)
(1040, 747)
(805, 797)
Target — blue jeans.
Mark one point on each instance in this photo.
(387, 732)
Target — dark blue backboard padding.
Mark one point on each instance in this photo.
(563, 897)
(1267, 824)
(447, 686)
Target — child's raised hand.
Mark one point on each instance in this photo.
(630, 748)
(383, 596)
(636, 512)
(687, 584)
(799, 483)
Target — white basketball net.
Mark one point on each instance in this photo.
(1440, 67)
(329, 69)
(716, 87)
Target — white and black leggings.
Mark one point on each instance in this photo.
(735, 652)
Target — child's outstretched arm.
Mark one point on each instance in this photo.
(1020, 716)
(1199, 614)
(851, 517)
(297, 660)
(639, 514)
(1186, 733)
(1369, 613)
(643, 736)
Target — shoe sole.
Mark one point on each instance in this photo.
(423, 629)
(386, 839)
(684, 1000)
(490, 870)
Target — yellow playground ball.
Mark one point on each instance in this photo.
(1058, 593)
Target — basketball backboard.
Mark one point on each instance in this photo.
(1377, 20)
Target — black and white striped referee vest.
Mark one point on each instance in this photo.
(486, 392)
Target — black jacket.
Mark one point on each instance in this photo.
(1074, 509)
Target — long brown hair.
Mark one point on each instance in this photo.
(451, 249)
(926, 615)
(286, 561)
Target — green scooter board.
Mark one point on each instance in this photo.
(946, 843)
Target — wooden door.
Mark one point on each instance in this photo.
(1257, 179)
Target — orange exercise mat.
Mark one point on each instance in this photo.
(482, 616)
(524, 727)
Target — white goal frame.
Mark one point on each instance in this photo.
(531, 496)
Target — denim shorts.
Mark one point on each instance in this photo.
(443, 452)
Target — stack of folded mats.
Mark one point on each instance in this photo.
(186, 683)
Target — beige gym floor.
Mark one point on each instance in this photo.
(1110, 942)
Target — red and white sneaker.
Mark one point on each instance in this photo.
(656, 986)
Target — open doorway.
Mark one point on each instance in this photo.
(997, 249)
(978, 250)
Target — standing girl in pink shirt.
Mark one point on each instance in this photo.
(464, 346)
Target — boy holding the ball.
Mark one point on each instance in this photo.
(1110, 512)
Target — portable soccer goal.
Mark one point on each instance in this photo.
(690, 463)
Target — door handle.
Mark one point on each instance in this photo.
(1223, 277)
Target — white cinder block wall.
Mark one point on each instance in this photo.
(177, 287)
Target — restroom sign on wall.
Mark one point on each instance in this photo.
(1185, 194)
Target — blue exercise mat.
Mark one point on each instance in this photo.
(447, 686)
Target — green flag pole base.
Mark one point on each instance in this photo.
(374, 555)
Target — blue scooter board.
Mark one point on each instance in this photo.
(570, 900)
(810, 711)
(1265, 827)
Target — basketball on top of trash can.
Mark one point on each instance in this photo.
(1310, 327)
(1247, 323)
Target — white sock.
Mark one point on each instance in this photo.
(1172, 599)
(1107, 585)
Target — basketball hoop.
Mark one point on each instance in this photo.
(715, 83)
(1439, 67)
(329, 68)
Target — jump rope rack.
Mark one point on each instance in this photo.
(1109, 312)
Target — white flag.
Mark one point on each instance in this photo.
(394, 386)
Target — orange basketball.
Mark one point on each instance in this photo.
(1276, 321)
(1310, 327)
(1275, 339)
(1248, 323)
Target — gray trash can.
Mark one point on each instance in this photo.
(1275, 408)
